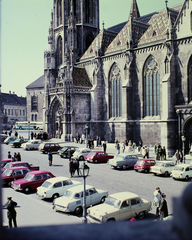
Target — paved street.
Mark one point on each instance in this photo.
(34, 211)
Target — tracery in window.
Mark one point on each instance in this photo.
(151, 88)
(59, 51)
(115, 92)
(59, 12)
(34, 103)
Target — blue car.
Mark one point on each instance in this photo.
(123, 161)
(9, 140)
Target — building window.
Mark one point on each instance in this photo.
(166, 66)
(11, 111)
(8, 111)
(190, 80)
(20, 112)
(23, 112)
(35, 117)
(59, 13)
(151, 88)
(59, 51)
(115, 92)
(32, 117)
(34, 103)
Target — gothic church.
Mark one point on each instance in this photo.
(132, 81)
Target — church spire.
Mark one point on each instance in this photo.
(134, 12)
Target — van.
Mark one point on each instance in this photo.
(49, 147)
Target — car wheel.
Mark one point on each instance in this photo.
(186, 178)
(141, 215)
(102, 200)
(114, 167)
(81, 158)
(136, 170)
(124, 167)
(111, 220)
(27, 189)
(95, 161)
(78, 210)
(56, 195)
(166, 174)
(155, 174)
(146, 170)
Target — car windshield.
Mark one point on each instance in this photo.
(29, 142)
(77, 151)
(120, 156)
(17, 140)
(179, 168)
(7, 172)
(68, 194)
(64, 148)
(46, 184)
(140, 162)
(92, 153)
(29, 177)
(159, 165)
(113, 202)
(8, 165)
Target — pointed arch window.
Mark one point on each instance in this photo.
(115, 92)
(59, 51)
(166, 65)
(59, 12)
(151, 88)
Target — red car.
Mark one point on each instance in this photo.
(14, 173)
(19, 164)
(98, 157)
(5, 161)
(144, 165)
(31, 181)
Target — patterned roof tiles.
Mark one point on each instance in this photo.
(80, 78)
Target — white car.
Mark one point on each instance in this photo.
(118, 207)
(31, 145)
(162, 168)
(182, 171)
(80, 153)
(55, 187)
(72, 200)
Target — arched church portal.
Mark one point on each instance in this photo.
(187, 131)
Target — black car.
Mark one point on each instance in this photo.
(65, 151)
(18, 142)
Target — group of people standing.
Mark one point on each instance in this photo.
(15, 157)
(161, 204)
(160, 152)
(73, 167)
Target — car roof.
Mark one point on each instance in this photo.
(95, 151)
(126, 154)
(124, 195)
(49, 143)
(144, 159)
(56, 179)
(17, 168)
(39, 172)
(164, 162)
(7, 159)
(15, 163)
(184, 165)
(79, 188)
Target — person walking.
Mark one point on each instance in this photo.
(50, 158)
(11, 213)
(163, 152)
(118, 147)
(157, 198)
(177, 157)
(18, 156)
(9, 155)
(71, 167)
(123, 146)
(75, 167)
(104, 146)
(163, 210)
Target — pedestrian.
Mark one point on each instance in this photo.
(181, 157)
(75, 167)
(144, 152)
(82, 138)
(147, 151)
(71, 167)
(11, 213)
(159, 152)
(32, 134)
(104, 146)
(50, 158)
(9, 155)
(16, 134)
(15, 157)
(157, 198)
(163, 210)
(123, 146)
(163, 152)
(18, 156)
(139, 146)
(177, 157)
(118, 147)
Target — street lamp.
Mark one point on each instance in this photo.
(29, 130)
(84, 172)
(86, 130)
(183, 138)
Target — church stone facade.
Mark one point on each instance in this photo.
(132, 81)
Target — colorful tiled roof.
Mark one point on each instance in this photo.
(39, 83)
(102, 41)
(80, 78)
(134, 12)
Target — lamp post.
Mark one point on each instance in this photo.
(29, 130)
(84, 172)
(86, 130)
(183, 138)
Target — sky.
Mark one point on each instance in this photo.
(24, 35)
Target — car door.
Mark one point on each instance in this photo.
(58, 188)
(136, 206)
(87, 197)
(17, 174)
(125, 211)
(36, 182)
(94, 196)
(66, 185)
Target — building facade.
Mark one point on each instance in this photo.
(131, 81)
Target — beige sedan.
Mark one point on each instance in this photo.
(118, 207)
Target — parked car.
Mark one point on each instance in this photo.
(55, 187)
(49, 147)
(18, 142)
(144, 165)
(11, 174)
(64, 152)
(182, 171)
(19, 164)
(72, 200)
(9, 140)
(80, 154)
(123, 160)
(3, 137)
(163, 168)
(31, 145)
(31, 181)
(98, 157)
(118, 207)
(5, 161)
